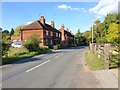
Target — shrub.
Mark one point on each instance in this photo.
(32, 43)
(5, 48)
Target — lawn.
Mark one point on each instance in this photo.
(93, 62)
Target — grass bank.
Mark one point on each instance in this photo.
(21, 54)
(93, 62)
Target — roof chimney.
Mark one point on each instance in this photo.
(42, 20)
(52, 24)
(62, 31)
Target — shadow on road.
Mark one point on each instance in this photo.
(38, 57)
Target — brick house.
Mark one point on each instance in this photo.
(16, 38)
(48, 34)
(67, 38)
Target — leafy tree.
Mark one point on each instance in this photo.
(86, 35)
(12, 32)
(80, 39)
(5, 42)
(5, 32)
(5, 36)
(113, 35)
(17, 30)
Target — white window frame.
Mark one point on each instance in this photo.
(56, 34)
(59, 34)
(51, 33)
(47, 33)
(51, 41)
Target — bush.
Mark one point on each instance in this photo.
(32, 43)
(5, 48)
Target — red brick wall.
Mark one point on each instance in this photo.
(17, 38)
(27, 33)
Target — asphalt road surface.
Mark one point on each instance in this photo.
(60, 69)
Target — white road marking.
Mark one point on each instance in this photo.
(58, 55)
(38, 66)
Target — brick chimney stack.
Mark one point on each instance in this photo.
(52, 24)
(62, 31)
(42, 20)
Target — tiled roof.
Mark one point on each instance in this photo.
(38, 25)
(69, 33)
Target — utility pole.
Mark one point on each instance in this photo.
(92, 29)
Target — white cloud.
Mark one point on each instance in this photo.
(105, 7)
(64, 6)
(28, 23)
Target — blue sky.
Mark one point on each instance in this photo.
(73, 15)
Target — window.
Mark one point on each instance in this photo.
(46, 32)
(59, 34)
(56, 34)
(51, 41)
(46, 41)
(51, 33)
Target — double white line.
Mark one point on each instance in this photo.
(38, 66)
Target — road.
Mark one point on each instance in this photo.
(61, 69)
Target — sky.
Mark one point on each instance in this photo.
(74, 15)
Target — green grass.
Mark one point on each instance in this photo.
(21, 56)
(114, 61)
(93, 62)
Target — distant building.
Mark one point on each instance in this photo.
(67, 38)
(48, 34)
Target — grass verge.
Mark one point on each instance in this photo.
(19, 57)
(93, 62)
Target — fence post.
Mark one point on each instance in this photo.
(95, 48)
(106, 50)
(99, 51)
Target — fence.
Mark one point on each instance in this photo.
(103, 51)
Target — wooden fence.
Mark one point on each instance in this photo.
(103, 51)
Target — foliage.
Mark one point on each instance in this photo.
(80, 40)
(5, 42)
(12, 32)
(5, 48)
(17, 30)
(32, 43)
(16, 51)
(86, 35)
(20, 56)
(5, 32)
(113, 35)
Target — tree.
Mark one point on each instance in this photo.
(5, 36)
(17, 30)
(79, 38)
(113, 35)
(11, 32)
(5, 42)
(86, 34)
(5, 32)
